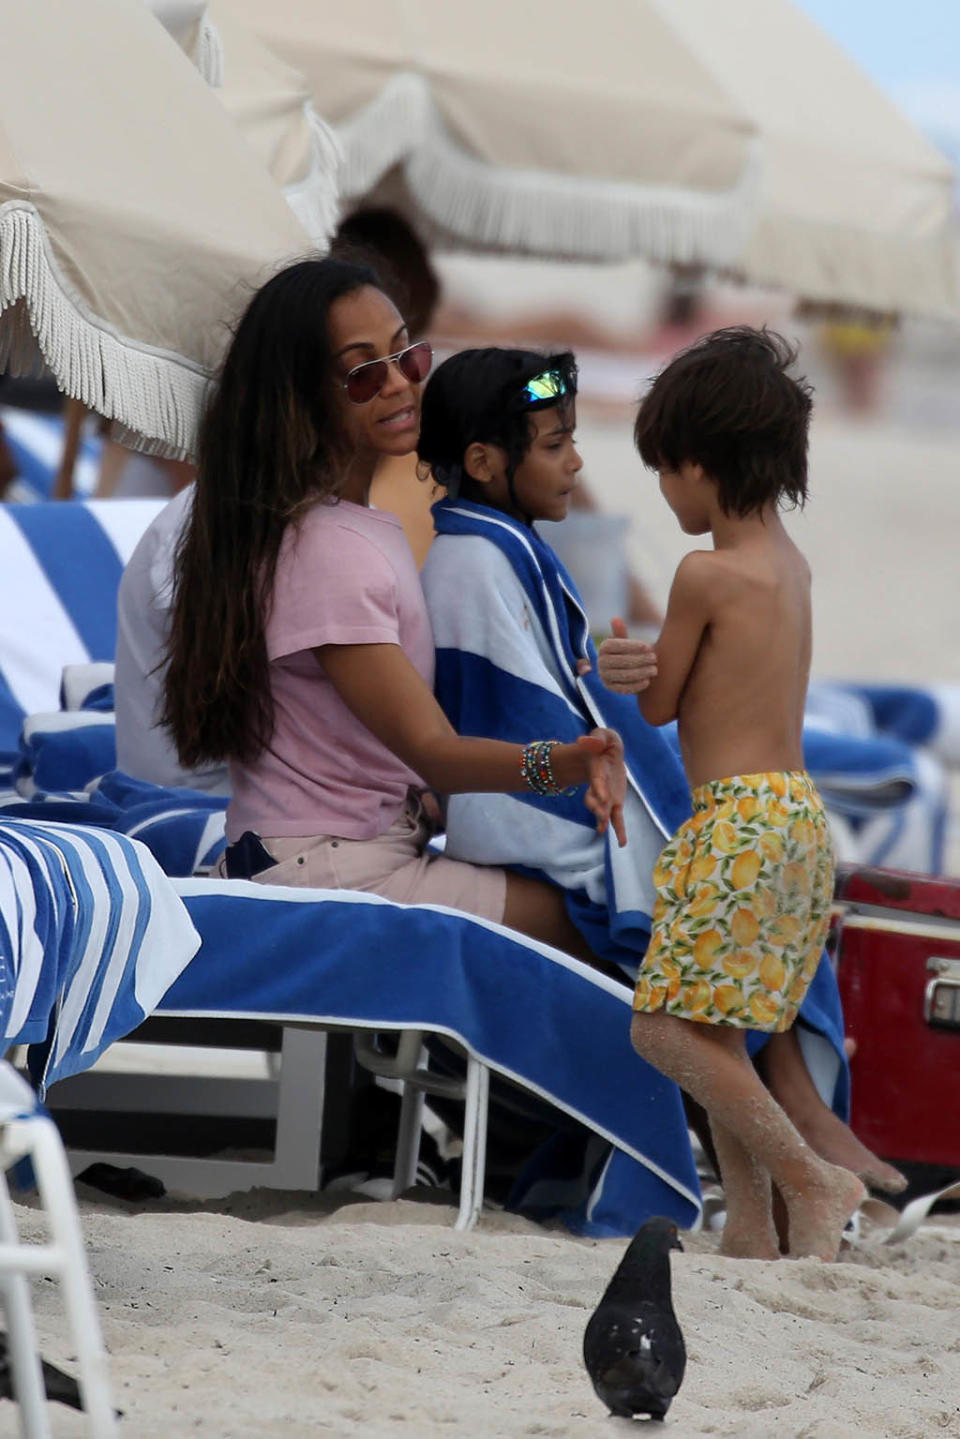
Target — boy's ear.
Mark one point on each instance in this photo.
(480, 462)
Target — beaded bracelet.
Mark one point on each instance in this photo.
(536, 769)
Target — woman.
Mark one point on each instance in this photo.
(300, 651)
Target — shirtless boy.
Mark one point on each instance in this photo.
(744, 887)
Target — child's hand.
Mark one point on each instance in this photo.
(626, 666)
(607, 786)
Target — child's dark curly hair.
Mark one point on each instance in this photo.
(478, 396)
(729, 404)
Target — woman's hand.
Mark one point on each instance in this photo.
(607, 780)
(626, 666)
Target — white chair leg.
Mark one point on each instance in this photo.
(56, 1193)
(474, 1144)
(22, 1338)
(408, 1139)
(300, 1108)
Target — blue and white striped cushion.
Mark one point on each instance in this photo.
(61, 565)
(36, 443)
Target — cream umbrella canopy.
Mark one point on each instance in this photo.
(856, 206)
(270, 104)
(581, 131)
(134, 218)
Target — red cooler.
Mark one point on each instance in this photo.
(897, 941)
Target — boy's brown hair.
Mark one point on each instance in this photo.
(729, 404)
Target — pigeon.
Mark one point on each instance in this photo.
(633, 1348)
(58, 1385)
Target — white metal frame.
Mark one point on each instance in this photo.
(409, 1065)
(27, 1133)
(294, 1096)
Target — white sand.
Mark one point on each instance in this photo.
(273, 1316)
(880, 531)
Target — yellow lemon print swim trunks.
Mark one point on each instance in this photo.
(743, 904)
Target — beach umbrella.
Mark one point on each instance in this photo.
(856, 206)
(270, 104)
(134, 217)
(583, 131)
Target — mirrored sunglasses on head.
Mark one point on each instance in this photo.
(365, 381)
(546, 389)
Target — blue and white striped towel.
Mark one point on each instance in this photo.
(509, 629)
(182, 828)
(92, 934)
(58, 593)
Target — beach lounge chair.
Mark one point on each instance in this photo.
(344, 961)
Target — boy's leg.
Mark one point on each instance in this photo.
(748, 1232)
(710, 1062)
(784, 1068)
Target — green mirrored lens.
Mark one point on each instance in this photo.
(548, 386)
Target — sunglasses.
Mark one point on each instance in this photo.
(545, 389)
(365, 381)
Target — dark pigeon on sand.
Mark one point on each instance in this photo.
(633, 1347)
(58, 1385)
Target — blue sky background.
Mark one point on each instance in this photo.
(911, 48)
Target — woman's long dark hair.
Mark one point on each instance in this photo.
(271, 442)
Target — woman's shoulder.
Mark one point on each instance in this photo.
(343, 529)
(343, 516)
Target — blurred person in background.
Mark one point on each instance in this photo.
(858, 352)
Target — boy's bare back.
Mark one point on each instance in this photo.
(747, 607)
(725, 426)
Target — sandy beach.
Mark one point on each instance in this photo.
(879, 531)
(278, 1314)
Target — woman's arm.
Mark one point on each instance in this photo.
(389, 697)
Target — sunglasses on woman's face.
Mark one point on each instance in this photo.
(366, 381)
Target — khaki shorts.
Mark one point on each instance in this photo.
(396, 865)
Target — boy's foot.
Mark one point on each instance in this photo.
(820, 1211)
(835, 1141)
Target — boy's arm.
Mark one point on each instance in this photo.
(676, 649)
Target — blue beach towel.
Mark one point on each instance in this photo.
(530, 1013)
(182, 828)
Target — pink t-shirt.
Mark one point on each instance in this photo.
(345, 576)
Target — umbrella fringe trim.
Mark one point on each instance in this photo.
(208, 54)
(539, 210)
(155, 396)
(315, 199)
